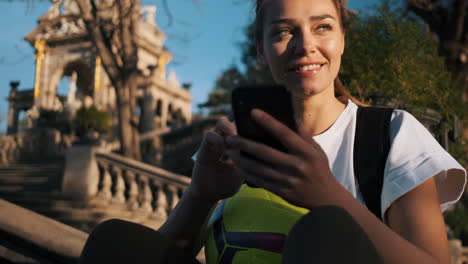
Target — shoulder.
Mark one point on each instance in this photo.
(416, 156)
(406, 129)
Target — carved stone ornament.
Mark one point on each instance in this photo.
(71, 7)
(150, 14)
(54, 10)
(63, 28)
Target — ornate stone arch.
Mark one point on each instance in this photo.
(84, 80)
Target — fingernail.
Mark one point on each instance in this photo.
(256, 113)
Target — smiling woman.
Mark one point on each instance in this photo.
(321, 174)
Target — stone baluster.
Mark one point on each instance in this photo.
(10, 153)
(132, 191)
(174, 196)
(106, 182)
(161, 200)
(4, 153)
(119, 196)
(146, 195)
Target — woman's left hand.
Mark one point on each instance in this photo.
(302, 176)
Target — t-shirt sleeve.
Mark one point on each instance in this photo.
(414, 157)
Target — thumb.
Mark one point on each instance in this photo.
(212, 147)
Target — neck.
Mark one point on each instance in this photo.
(317, 113)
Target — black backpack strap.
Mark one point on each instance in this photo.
(371, 146)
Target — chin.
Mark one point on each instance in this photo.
(306, 89)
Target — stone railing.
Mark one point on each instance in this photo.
(139, 186)
(33, 145)
(28, 237)
(8, 150)
(102, 178)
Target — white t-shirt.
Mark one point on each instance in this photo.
(414, 157)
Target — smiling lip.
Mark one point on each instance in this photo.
(306, 68)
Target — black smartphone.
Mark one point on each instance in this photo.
(275, 100)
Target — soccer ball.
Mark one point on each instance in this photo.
(250, 227)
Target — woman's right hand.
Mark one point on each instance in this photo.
(214, 176)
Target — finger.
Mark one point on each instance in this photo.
(212, 147)
(262, 170)
(225, 128)
(264, 153)
(253, 179)
(264, 183)
(284, 134)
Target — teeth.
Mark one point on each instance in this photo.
(309, 67)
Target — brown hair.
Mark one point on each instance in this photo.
(343, 14)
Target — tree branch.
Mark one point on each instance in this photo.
(458, 19)
(129, 14)
(90, 19)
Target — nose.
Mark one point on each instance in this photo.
(304, 43)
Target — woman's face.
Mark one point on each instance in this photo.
(302, 44)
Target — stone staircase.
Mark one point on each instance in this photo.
(36, 186)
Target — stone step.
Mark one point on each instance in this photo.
(43, 177)
(82, 215)
(36, 186)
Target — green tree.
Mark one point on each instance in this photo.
(392, 55)
(92, 119)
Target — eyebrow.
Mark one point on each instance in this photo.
(290, 21)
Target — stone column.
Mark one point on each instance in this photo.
(13, 112)
(40, 46)
(13, 115)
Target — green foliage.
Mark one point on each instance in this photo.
(457, 219)
(92, 119)
(390, 54)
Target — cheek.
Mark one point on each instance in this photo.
(275, 55)
(333, 49)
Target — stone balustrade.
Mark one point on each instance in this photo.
(8, 150)
(138, 186)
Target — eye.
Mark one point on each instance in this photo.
(281, 33)
(284, 33)
(324, 27)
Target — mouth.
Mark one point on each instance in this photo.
(307, 69)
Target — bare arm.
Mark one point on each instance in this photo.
(214, 178)
(185, 224)
(416, 231)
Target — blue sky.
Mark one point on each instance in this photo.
(203, 37)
